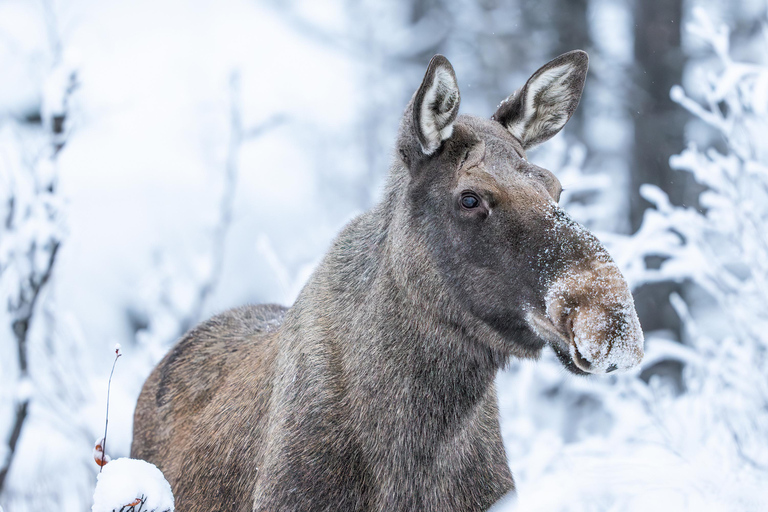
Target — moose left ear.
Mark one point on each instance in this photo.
(541, 108)
(436, 105)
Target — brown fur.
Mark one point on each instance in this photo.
(375, 391)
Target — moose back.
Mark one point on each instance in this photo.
(375, 390)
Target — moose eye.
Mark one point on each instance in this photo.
(469, 200)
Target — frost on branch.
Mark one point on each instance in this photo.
(692, 438)
(131, 485)
(32, 230)
(723, 251)
(173, 296)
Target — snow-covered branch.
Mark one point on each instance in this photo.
(31, 237)
(167, 317)
(723, 249)
(238, 134)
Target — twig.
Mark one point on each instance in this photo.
(21, 323)
(262, 128)
(21, 415)
(24, 309)
(237, 135)
(20, 328)
(106, 421)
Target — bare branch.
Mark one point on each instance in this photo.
(26, 306)
(20, 417)
(260, 129)
(237, 135)
(23, 309)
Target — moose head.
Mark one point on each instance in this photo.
(490, 229)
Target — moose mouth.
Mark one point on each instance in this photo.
(589, 319)
(565, 344)
(572, 359)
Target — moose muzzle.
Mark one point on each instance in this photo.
(590, 315)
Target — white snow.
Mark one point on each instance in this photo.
(140, 182)
(688, 441)
(124, 480)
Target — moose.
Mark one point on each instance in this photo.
(375, 390)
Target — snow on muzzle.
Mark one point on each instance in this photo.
(590, 315)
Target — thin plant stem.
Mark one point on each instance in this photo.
(106, 421)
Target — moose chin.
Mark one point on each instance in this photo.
(375, 390)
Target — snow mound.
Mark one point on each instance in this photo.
(131, 484)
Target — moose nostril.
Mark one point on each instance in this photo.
(611, 368)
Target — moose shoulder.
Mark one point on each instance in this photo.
(375, 390)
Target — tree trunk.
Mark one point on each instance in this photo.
(570, 17)
(659, 125)
(658, 121)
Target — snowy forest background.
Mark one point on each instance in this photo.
(163, 161)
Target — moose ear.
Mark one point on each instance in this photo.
(436, 105)
(541, 108)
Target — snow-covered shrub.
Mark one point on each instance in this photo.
(722, 250)
(637, 441)
(44, 387)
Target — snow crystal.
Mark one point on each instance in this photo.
(123, 481)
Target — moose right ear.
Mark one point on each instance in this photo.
(435, 105)
(544, 104)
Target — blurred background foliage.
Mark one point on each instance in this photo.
(162, 161)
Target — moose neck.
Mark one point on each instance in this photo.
(393, 326)
(400, 368)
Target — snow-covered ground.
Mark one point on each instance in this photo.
(227, 142)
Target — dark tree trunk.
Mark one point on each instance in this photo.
(570, 17)
(658, 121)
(659, 125)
